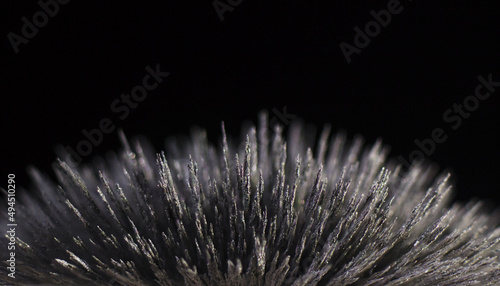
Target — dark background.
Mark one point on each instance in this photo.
(264, 55)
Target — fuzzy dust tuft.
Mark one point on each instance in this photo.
(264, 211)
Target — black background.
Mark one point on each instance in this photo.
(264, 55)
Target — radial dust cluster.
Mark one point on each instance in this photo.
(268, 209)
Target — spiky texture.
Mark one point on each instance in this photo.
(263, 211)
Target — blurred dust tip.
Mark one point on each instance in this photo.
(278, 210)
